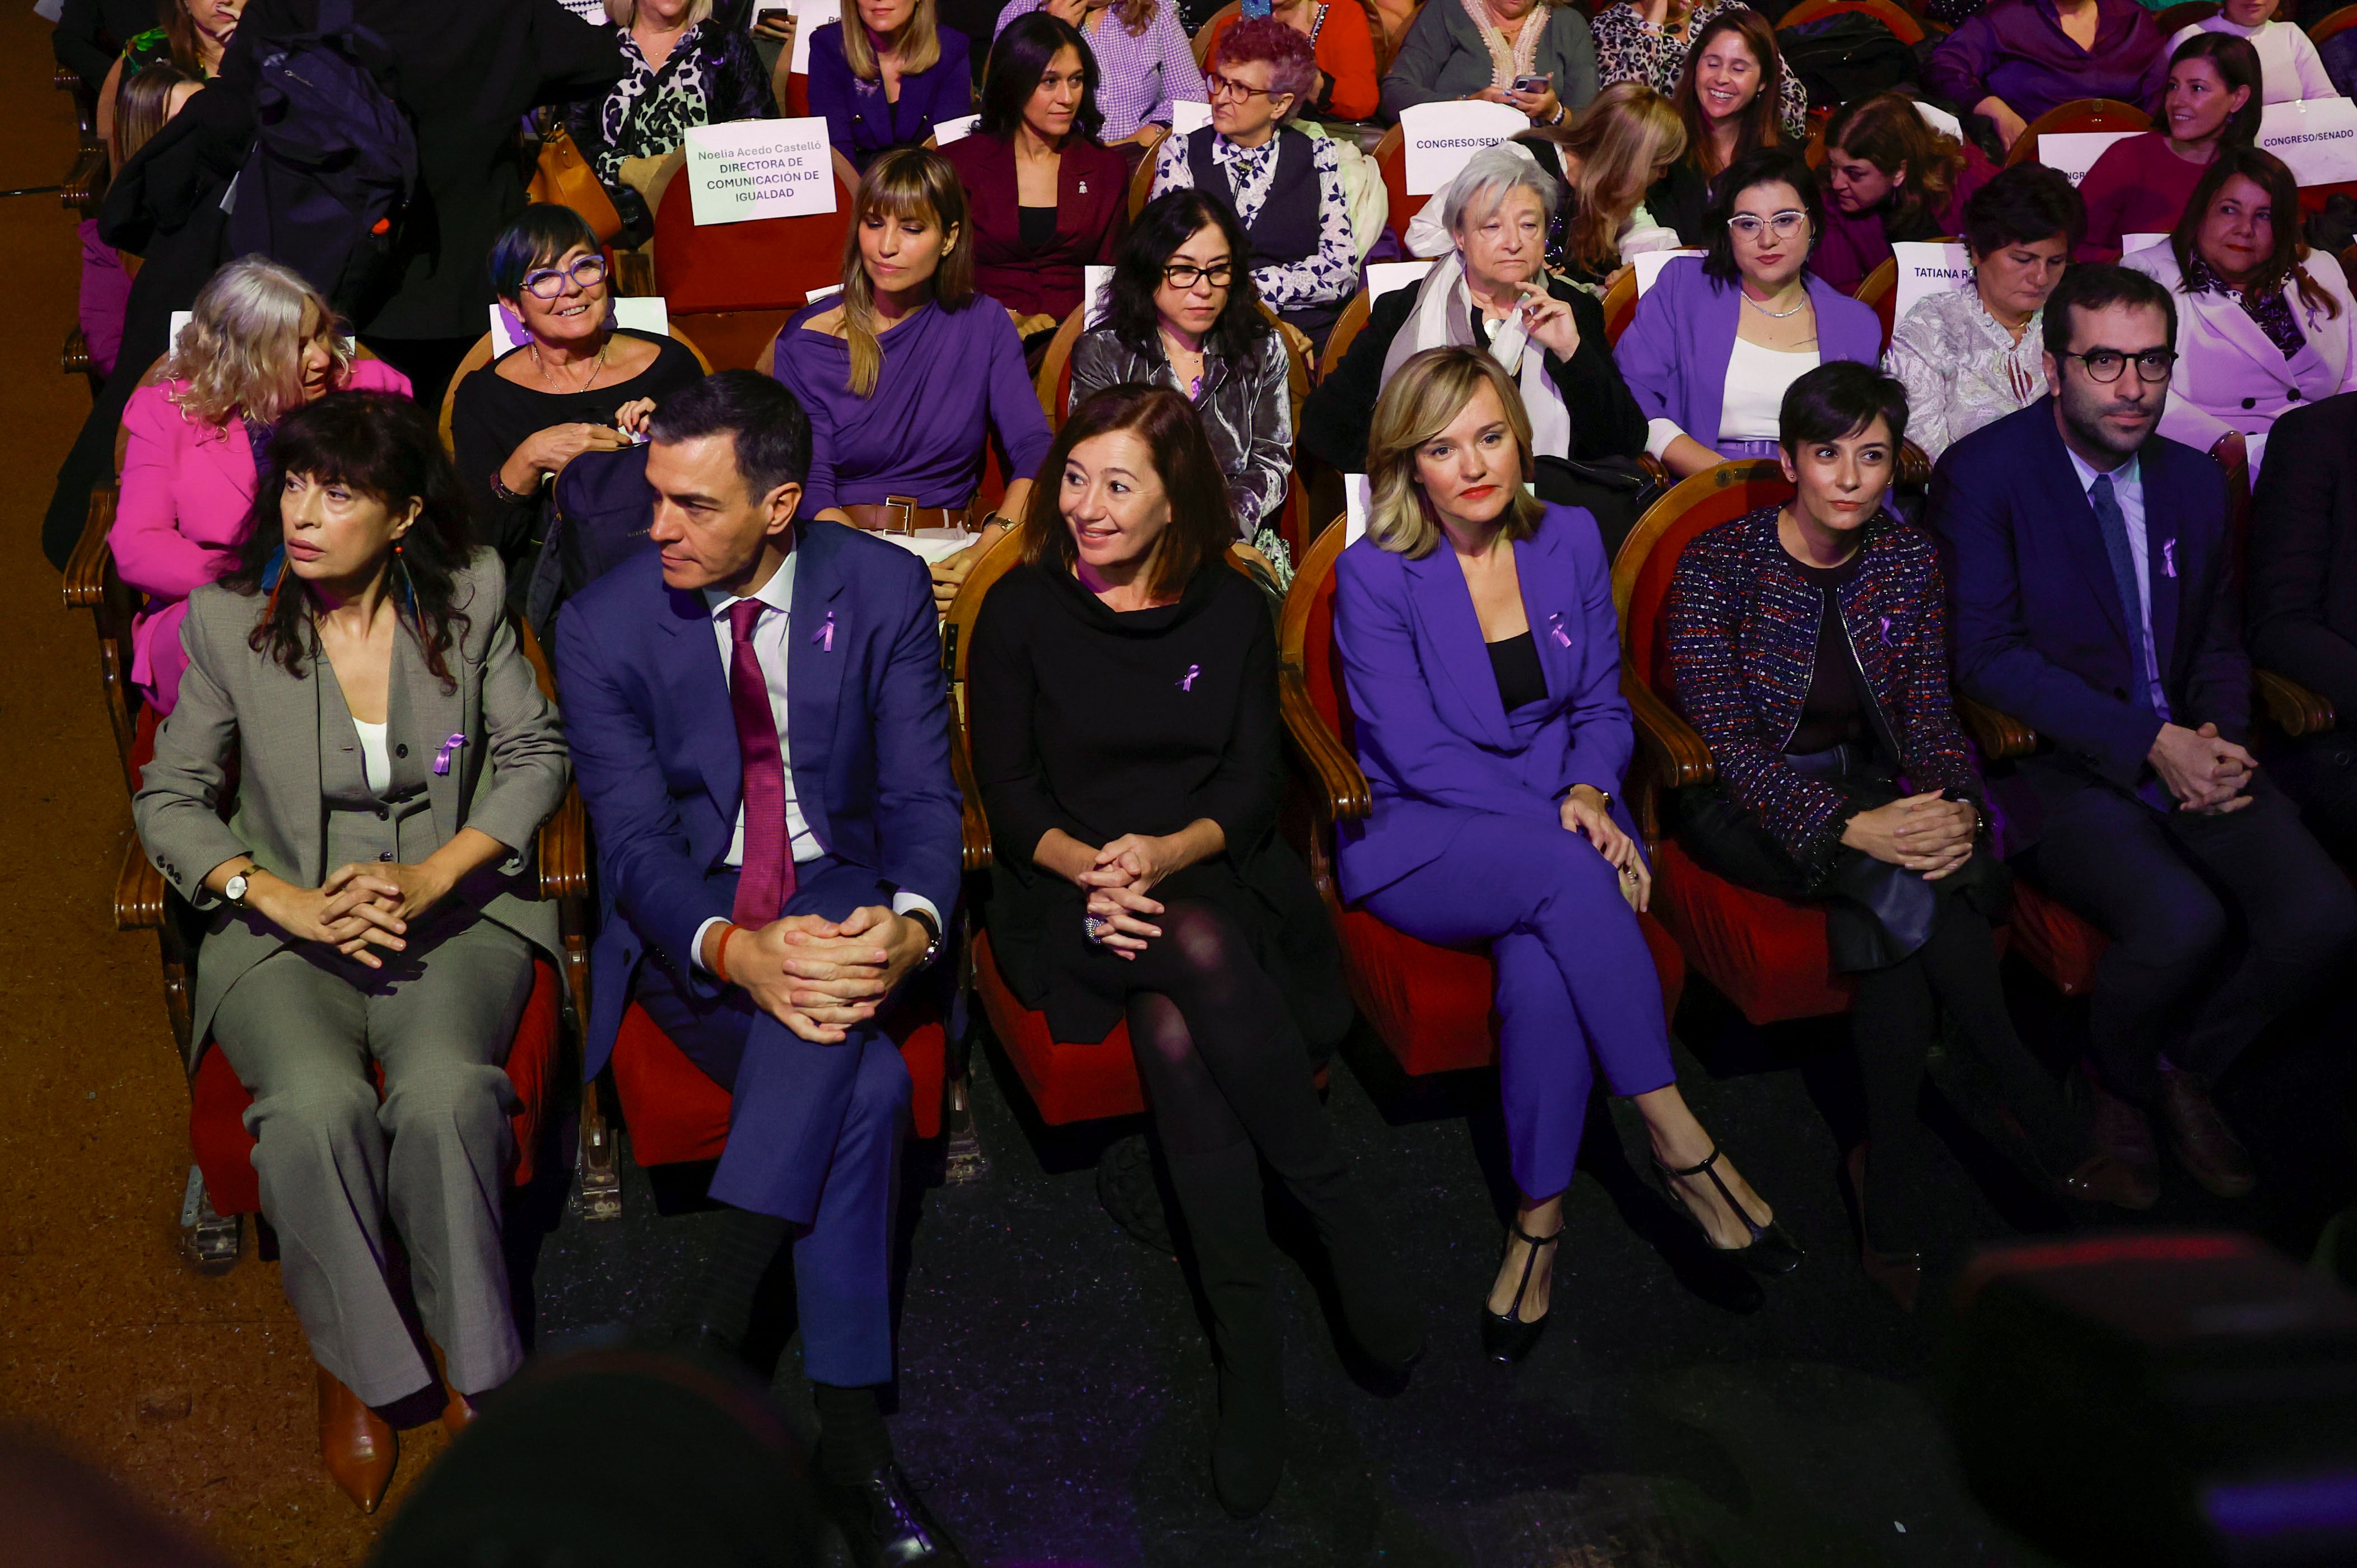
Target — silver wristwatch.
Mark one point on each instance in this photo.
(932, 931)
(234, 888)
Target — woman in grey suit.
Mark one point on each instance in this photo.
(393, 757)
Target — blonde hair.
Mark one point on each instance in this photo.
(241, 351)
(1417, 404)
(1625, 134)
(905, 182)
(625, 13)
(921, 45)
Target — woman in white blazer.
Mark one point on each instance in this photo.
(2263, 323)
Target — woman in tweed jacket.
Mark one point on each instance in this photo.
(1808, 647)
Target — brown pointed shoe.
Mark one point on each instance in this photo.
(458, 1410)
(359, 1448)
(2204, 1144)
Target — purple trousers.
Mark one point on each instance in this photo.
(1576, 981)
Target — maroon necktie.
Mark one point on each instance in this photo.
(766, 880)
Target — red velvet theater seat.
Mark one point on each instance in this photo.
(675, 1114)
(1068, 1080)
(218, 1101)
(2058, 944)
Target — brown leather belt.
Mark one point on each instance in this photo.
(901, 514)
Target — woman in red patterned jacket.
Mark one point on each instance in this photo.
(1808, 647)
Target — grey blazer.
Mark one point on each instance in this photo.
(1442, 56)
(236, 701)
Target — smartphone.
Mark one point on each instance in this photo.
(773, 16)
(1536, 83)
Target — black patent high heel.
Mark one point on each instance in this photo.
(1770, 1250)
(1508, 1336)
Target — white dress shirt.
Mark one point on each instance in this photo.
(2127, 489)
(769, 650)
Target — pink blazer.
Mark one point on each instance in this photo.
(186, 490)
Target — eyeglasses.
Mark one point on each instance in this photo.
(1216, 86)
(2105, 365)
(1784, 225)
(1185, 275)
(549, 281)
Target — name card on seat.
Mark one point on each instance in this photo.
(2131, 244)
(1188, 117)
(1358, 500)
(1387, 277)
(810, 15)
(1437, 138)
(957, 130)
(648, 315)
(2316, 138)
(1096, 287)
(1648, 265)
(759, 168)
(2075, 152)
(1927, 267)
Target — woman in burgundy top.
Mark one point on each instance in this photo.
(1889, 176)
(1045, 197)
(2140, 185)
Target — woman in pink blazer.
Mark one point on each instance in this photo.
(261, 342)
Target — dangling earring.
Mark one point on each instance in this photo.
(408, 584)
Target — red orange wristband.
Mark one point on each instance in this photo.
(720, 957)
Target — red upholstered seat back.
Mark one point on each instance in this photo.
(1649, 556)
(767, 263)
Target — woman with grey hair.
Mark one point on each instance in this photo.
(1491, 291)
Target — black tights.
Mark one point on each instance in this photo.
(1220, 1055)
(1892, 1024)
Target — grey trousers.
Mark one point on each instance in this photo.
(301, 1029)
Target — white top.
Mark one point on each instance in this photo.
(1753, 404)
(2289, 67)
(769, 650)
(375, 765)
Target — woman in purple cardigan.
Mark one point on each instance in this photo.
(1477, 635)
(1717, 339)
(1808, 646)
(2017, 58)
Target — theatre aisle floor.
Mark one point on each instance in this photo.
(1057, 1390)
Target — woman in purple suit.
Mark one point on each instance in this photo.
(1477, 633)
(1717, 339)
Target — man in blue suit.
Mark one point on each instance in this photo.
(758, 726)
(2096, 601)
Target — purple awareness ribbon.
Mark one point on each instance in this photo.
(441, 757)
(2169, 557)
(1555, 628)
(1187, 682)
(824, 635)
(1886, 630)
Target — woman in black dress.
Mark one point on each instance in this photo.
(575, 384)
(1122, 694)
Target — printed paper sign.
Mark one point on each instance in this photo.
(1439, 137)
(2075, 152)
(810, 15)
(648, 315)
(1940, 120)
(2316, 138)
(1384, 277)
(1187, 116)
(2131, 244)
(1358, 500)
(1096, 287)
(1927, 267)
(1648, 265)
(957, 130)
(759, 168)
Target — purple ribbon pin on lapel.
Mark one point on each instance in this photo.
(441, 757)
(1187, 682)
(2169, 558)
(1554, 629)
(1886, 630)
(824, 635)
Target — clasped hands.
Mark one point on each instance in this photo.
(1928, 834)
(818, 977)
(361, 907)
(2207, 773)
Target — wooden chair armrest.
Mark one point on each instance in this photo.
(74, 358)
(85, 181)
(1914, 468)
(1675, 753)
(2295, 710)
(1342, 788)
(139, 890)
(2000, 737)
(85, 581)
(974, 824)
(563, 856)
(1656, 471)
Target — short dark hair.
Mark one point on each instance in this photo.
(1020, 59)
(2021, 206)
(1761, 166)
(1202, 525)
(771, 432)
(2087, 286)
(540, 232)
(1168, 221)
(1839, 400)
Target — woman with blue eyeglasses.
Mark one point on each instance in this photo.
(1719, 338)
(576, 383)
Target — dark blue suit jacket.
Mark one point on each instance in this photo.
(2039, 630)
(646, 709)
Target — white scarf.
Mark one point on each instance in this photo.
(1508, 61)
(1443, 316)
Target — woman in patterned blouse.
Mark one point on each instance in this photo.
(1968, 356)
(682, 67)
(1647, 42)
(1284, 186)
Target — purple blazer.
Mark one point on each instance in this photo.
(2017, 50)
(1433, 735)
(1674, 354)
